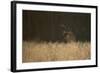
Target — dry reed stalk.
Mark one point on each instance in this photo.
(43, 51)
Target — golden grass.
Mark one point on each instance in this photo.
(43, 51)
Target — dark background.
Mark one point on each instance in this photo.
(46, 25)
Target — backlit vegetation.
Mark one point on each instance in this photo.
(58, 51)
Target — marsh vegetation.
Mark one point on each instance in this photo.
(48, 51)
